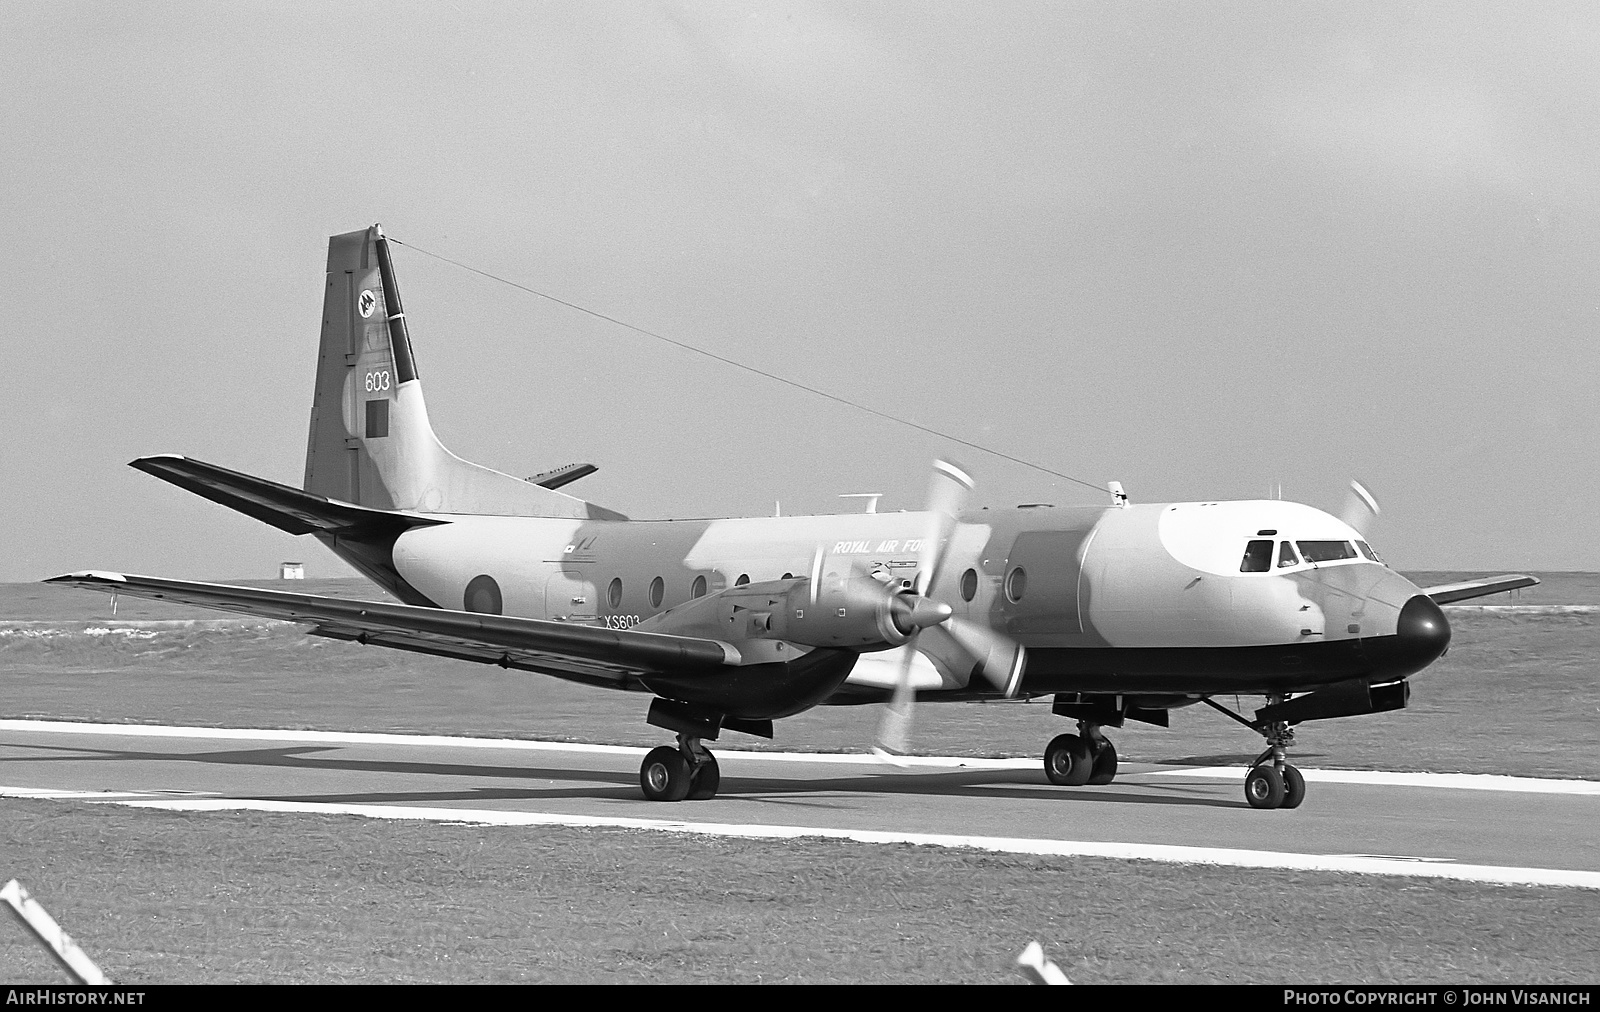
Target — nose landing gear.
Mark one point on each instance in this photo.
(1272, 782)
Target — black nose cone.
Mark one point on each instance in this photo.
(1423, 632)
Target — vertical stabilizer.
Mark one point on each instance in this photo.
(370, 442)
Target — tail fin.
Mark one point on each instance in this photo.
(371, 443)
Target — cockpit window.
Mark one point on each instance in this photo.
(1257, 557)
(1326, 551)
(1286, 556)
(1367, 550)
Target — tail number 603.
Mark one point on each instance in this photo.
(377, 380)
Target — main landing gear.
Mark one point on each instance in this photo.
(1073, 760)
(675, 774)
(1272, 782)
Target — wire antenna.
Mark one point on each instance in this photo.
(751, 369)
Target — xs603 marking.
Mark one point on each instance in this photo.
(620, 621)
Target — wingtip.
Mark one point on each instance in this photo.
(102, 575)
(143, 463)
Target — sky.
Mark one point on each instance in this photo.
(1206, 250)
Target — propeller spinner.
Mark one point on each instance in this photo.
(998, 658)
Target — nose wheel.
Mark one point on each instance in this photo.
(1272, 782)
(688, 772)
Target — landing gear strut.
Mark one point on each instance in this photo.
(673, 774)
(1272, 782)
(1088, 757)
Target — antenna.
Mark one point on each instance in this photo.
(871, 498)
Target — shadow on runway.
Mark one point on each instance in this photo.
(1240, 759)
(815, 793)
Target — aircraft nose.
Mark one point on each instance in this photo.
(1423, 631)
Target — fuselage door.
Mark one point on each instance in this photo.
(569, 596)
(1039, 591)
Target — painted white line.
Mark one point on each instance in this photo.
(1458, 781)
(100, 626)
(1353, 863)
(1378, 778)
(55, 794)
(519, 744)
(1525, 609)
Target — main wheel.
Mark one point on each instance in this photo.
(1067, 761)
(1294, 787)
(703, 782)
(1104, 769)
(664, 776)
(1263, 788)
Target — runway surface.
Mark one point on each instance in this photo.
(1495, 829)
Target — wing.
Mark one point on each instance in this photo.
(1449, 593)
(615, 658)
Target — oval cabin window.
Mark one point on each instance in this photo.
(699, 588)
(1016, 584)
(969, 585)
(614, 593)
(743, 579)
(658, 587)
(482, 596)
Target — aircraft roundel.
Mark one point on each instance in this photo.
(367, 303)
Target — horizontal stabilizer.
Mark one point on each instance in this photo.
(285, 508)
(567, 650)
(1449, 593)
(563, 475)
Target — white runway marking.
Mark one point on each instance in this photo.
(1525, 609)
(1459, 781)
(1353, 863)
(1361, 864)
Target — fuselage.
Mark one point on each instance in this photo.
(1254, 597)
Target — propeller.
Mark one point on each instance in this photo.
(999, 659)
(1360, 509)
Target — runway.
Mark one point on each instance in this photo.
(1494, 829)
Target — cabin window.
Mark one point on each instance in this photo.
(788, 576)
(1257, 557)
(614, 593)
(1286, 556)
(743, 579)
(969, 585)
(482, 596)
(699, 588)
(1016, 584)
(1326, 551)
(1367, 550)
(658, 589)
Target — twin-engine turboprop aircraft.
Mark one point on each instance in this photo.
(1121, 612)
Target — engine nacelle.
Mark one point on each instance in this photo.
(858, 613)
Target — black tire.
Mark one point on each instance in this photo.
(703, 782)
(1104, 769)
(1294, 787)
(664, 775)
(1263, 788)
(1067, 761)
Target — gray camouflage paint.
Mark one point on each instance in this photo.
(1157, 577)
